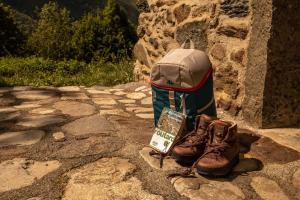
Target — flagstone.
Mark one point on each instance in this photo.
(296, 179)
(154, 161)
(136, 95)
(203, 189)
(93, 91)
(27, 106)
(7, 109)
(21, 138)
(115, 90)
(69, 89)
(20, 172)
(43, 111)
(94, 124)
(74, 96)
(106, 179)
(9, 116)
(147, 101)
(75, 109)
(127, 101)
(104, 101)
(40, 120)
(140, 88)
(118, 112)
(145, 115)
(120, 93)
(139, 109)
(34, 94)
(267, 189)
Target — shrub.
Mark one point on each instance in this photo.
(51, 39)
(37, 71)
(11, 38)
(105, 34)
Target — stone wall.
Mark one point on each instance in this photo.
(272, 82)
(219, 28)
(252, 44)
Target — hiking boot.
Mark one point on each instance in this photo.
(192, 146)
(222, 151)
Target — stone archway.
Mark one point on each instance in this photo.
(272, 86)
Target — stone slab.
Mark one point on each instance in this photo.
(140, 88)
(27, 106)
(127, 101)
(289, 137)
(94, 91)
(117, 112)
(21, 138)
(136, 95)
(74, 96)
(154, 162)
(82, 147)
(267, 189)
(34, 94)
(296, 179)
(120, 93)
(19, 172)
(7, 109)
(106, 179)
(43, 111)
(69, 89)
(40, 121)
(9, 116)
(145, 115)
(75, 109)
(204, 189)
(95, 124)
(139, 109)
(147, 101)
(104, 101)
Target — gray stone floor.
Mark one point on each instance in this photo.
(78, 143)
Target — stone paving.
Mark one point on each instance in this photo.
(78, 143)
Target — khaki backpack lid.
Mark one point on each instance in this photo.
(181, 69)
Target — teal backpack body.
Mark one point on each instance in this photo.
(183, 81)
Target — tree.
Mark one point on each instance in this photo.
(51, 39)
(104, 34)
(11, 38)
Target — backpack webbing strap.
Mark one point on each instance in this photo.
(172, 100)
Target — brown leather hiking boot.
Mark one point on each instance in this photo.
(222, 151)
(189, 148)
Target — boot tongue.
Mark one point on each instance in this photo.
(219, 133)
(204, 122)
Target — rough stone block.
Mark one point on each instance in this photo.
(182, 12)
(195, 30)
(233, 31)
(235, 8)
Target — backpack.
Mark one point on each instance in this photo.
(182, 80)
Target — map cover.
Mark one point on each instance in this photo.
(169, 128)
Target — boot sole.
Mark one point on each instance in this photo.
(223, 171)
(185, 160)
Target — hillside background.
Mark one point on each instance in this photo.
(76, 7)
(62, 42)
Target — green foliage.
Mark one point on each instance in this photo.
(11, 38)
(51, 39)
(104, 34)
(93, 50)
(36, 71)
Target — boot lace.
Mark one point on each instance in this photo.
(192, 139)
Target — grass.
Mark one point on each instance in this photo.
(36, 71)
